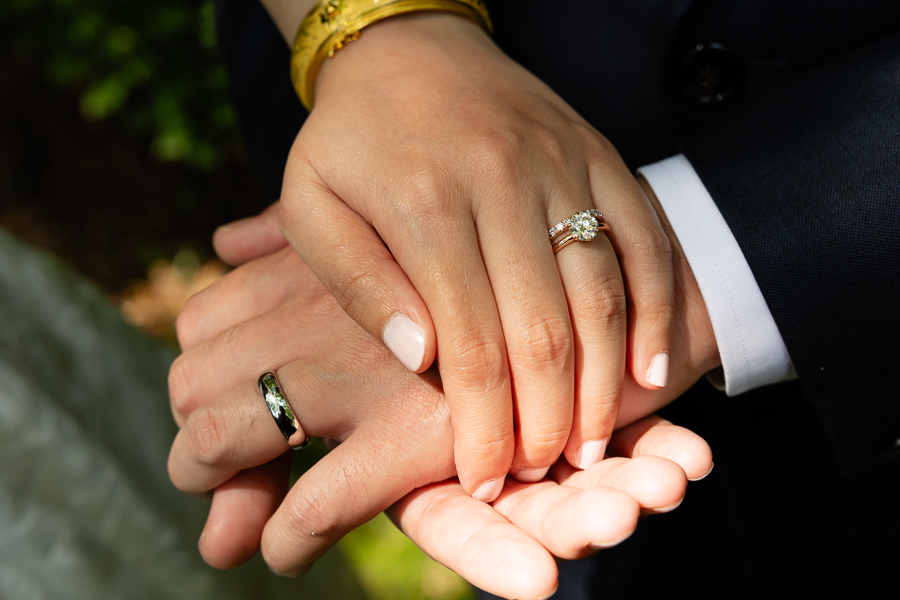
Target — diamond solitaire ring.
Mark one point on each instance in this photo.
(281, 411)
(580, 227)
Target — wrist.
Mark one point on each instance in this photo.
(404, 47)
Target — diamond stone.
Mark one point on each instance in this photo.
(584, 226)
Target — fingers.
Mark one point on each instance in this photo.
(239, 512)
(473, 365)
(646, 259)
(568, 521)
(223, 437)
(238, 357)
(439, 250)
(382, 459)
(347, 255)
(476, 541)
(596, 296)
(538, 333)
(656, 484)
(368, 472)
(654, 436)
(246, 292)
(236, 431)
(244, 240)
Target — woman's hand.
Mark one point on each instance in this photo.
(273, 314)
(420, 192)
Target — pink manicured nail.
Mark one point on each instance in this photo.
(406, 340)
(590, 453)
(489, 491)
(530, 475)
(658, 371)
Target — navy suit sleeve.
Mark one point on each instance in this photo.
(808, 179)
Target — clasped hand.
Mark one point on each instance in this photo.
(420, 192)
(397, 446)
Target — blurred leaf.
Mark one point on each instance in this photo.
(207, 26)
(150, 65)
(104, 98)
(84, 28)
(171, 146)
(122, 40)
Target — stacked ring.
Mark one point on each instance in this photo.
(581, 227)
(281, 411)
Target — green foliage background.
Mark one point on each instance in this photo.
(152, 63)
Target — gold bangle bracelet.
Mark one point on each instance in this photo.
(333, 23)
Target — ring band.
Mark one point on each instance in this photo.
(281, 411)
(581, 227)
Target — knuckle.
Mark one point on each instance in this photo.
(353, 286)
(553, 147)
(479, 360)
(425, 197)
(651, 244)
(180, 390)
(547, 344)
(310, 514)
(656, 319)
(602, 299)
(186, 324)
(498, 151)
(317, 513)
(546, 442)
(207, 436)
(489, 449)
(603, 403)
(595, 142)
(359, 286)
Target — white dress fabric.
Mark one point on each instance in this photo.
(86, 507)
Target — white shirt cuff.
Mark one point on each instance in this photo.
(751, 348)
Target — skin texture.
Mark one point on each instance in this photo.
(423, 184)
(397, 437)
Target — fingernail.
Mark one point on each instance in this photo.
(550, 594)
(406, 340)
(603, 545)
(489, 491)
(530, 475)
(590, 453)
(658, 371)
(665, 509)
(705, 475)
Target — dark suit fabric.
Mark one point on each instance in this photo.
(803, 161)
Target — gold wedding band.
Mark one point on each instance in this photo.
(580, 227)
